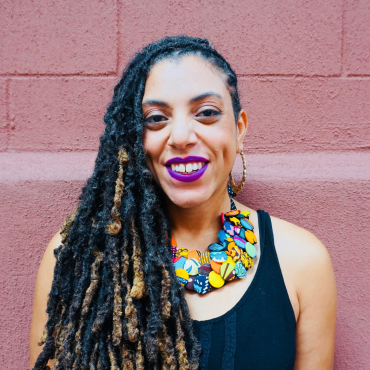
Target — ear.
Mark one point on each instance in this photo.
(242, 126)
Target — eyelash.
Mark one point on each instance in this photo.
(206, 110)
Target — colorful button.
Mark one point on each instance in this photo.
(250, 249)
(218, 256)
(205, 269)
(179, 264)
(194, 254)
(250, 237)
(204, 257)
(240, 270)
(246, 224)
(201, 284)
(216, 266)
(192, 266)
(216, 247)
(215, 279)
(227, 271)
(182, 276)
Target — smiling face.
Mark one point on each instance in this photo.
(191, 137)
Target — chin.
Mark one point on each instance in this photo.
(188, 198)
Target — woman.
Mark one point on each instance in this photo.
(125, 294)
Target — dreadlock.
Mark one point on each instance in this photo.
(115, 302)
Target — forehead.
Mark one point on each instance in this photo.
(174, 80)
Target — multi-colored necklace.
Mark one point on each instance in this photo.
(227, 260)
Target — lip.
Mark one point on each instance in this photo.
(187, 178)
(190, 158)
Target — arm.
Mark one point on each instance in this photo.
(316, 290)
(42, 289)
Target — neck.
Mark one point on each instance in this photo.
(197, 227)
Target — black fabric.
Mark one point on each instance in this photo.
(258, 333)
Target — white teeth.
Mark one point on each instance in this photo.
(189, 167)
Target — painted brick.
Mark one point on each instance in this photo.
(58, 113)
(306, 114)
(257, 37)
(4, 129)
(16, 293)
(60, 37)
(356, 41)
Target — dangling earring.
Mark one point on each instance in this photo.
(238, 188)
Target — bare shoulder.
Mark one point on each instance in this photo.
(302, 249)
(42, 288)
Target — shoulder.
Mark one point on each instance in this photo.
(42, 288)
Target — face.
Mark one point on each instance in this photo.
(191, 138)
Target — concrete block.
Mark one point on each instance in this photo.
(58, 37)
(257, 37)
(52, 114)
(306, 114)
(356, 37)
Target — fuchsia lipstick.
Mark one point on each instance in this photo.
(187, 178)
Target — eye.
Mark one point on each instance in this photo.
(210, 113)
(154, 119)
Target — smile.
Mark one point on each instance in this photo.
(187, 169)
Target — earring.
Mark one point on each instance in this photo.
(238, 188)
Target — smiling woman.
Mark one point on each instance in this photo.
(158, 267)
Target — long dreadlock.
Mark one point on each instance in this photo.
(115, 302)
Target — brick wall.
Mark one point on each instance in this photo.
(304, 72)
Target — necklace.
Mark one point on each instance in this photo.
(225, 261)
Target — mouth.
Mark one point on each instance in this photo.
(187, 169)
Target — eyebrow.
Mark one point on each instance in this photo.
(209, 94)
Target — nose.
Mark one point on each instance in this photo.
(182, 133)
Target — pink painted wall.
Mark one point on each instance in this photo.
(304, 71)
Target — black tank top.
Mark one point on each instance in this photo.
(258, 333)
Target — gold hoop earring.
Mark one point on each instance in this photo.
(238, 188)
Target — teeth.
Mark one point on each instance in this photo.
(186, 168)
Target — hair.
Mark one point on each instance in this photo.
(115, 301)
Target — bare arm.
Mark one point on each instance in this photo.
(42, 289)
(316, 289)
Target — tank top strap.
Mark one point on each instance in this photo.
(265, 229)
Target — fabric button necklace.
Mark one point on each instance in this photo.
(225, 261)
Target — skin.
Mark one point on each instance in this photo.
(181, 128)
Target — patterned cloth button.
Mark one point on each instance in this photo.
(192, 266)
(215, 279)
(218, 256)
(232, 213)
(250, 237)
(240, 270)
(246, 260)
(246, 224)
(179, 264)
(222, 235)
(239, 242)
(250, 249)
(216, 266)
(173, 242)
(205, 257)
(234, 251)
(205, 269)
(216, 247)
(227, 271)
(243, 214)
(190, 284)
(194, 254)
(235, 221)
(237, 230)
(182, 276)
(182, 252)
(229, 228)
(201, 284)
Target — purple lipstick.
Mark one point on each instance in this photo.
(184, 177)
